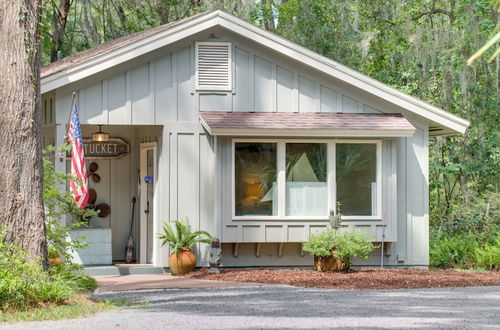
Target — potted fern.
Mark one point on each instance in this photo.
(178, 236)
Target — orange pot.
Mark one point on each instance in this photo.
(183, 263)
(55, 261)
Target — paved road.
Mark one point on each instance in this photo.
(278, 307)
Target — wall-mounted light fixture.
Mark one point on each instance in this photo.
(100, 136)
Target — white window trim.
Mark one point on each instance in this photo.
(331, 178)
(229, 86)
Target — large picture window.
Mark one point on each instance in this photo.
(290, 179)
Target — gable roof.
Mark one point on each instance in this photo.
(118, 51)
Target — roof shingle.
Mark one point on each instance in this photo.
(327, 124)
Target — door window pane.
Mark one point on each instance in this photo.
(306, 175)
(255, 179)
(356, 165)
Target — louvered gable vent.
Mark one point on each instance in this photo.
(213, 66)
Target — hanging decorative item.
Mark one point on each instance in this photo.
(93, 167)
(104, 210)
(100, 136)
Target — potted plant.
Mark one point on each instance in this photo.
(333, 249)
(177, 234)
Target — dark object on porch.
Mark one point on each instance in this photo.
(214, 256)
(129, 251)
(92, 196)
(104, 210)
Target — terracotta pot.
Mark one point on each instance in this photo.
(55, 261)
(330, 264)
(183, 263)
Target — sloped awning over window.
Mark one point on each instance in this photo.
(306, 124)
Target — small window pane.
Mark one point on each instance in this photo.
(255, 179)
(306, 174)
(356, 165)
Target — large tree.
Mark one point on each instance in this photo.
(21, 195)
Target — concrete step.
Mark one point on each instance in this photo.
(112, 270)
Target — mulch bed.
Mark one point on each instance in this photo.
(358, 279)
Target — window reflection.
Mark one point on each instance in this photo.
(255, 179)
(306, 174)
(356, 165)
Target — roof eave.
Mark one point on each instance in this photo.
(79, 71)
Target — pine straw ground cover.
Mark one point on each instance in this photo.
(357, 279)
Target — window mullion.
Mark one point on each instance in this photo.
(281, 162)
(332, 181)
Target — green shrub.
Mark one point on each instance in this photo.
(24, 283)
(466, 250)
(347, 245)
(454, 251)
(488, 256)
(320, 244)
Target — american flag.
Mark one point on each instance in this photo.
(78, 182)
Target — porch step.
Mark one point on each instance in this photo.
(116, 270)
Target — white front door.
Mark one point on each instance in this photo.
(148, 181)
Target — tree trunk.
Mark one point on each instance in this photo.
(21, 194)
(59, 19)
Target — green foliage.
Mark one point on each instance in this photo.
(346, 245)
(58, 202)
(177, 234)
(24, 283)
(488, 256)
(320, 244)
(465, 250)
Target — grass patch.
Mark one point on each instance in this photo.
(75, 306)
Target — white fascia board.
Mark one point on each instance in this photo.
(343, 73)
(129, 52)
(378, 133)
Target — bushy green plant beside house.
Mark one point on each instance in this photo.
(465, 251)
(341, 244)
(24, 283)
(469, 235)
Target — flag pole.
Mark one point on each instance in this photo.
(65, 137)
(70, 113)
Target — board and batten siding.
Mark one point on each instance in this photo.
(159, 89)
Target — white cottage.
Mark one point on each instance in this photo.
(254, 138)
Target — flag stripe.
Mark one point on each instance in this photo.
(78, 183)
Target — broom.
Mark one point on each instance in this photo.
(129, 251)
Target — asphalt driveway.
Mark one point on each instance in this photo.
(278, 307)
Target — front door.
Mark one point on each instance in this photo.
(148, 181)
